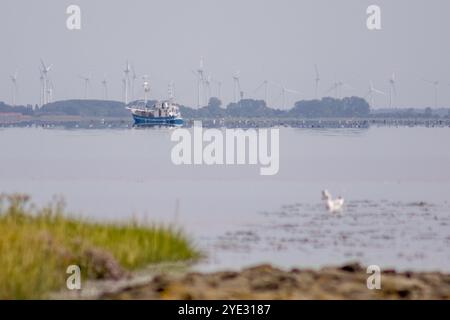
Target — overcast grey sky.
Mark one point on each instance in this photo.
(265, 39)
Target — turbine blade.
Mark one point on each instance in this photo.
(425, 80)
(347, 86)
(331, 89)
(292, 91)
(43, 64)
(261, 85)
(276, 84)
(378, 91)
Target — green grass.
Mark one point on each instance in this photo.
(38, 244)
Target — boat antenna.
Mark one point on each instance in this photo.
(171, 90)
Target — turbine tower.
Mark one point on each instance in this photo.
(435, 84)
(45, 70)
(392, 89)
(207, 83)
(49, 91)
(317, 81)
(105, 88)
(200, 80)
(124, 89)
(371, 94)
(219, 88)
(133, 82)
(127, 80)
(237, 92)
(42, 88)
(87, 80)
(14, 88)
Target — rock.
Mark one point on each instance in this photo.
(228, 275)
(102, 265)
(267, 282)
(353, 267)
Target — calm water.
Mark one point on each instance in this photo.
(396, 182)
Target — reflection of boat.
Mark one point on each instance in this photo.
(162, 112)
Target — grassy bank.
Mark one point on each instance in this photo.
(38, 244)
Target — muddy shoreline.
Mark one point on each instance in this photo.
(267, 282)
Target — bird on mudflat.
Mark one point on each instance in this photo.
(332, 205)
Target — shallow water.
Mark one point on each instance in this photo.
(396, 182)
(389, 234)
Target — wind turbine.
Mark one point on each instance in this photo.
(127, 80)
(264, 84)
(317, 81)
(435, 84)
(237, 86)
(14, 93)
(392, 89)
(337, 88)
(105, 88)
(87, 80)
(45, 70)
(200, 79)
(371, 94)
(285, 90)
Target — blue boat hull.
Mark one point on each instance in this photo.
(157, 120)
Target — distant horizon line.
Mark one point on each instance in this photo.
(222, 105)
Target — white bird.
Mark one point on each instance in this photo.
(332, 205)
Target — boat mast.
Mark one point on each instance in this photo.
(171, 91)
(146, 86)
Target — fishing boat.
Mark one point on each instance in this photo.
(162, 112)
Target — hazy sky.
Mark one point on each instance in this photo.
(265, 39)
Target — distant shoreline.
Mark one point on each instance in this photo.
(326, 112)
(244, 122)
